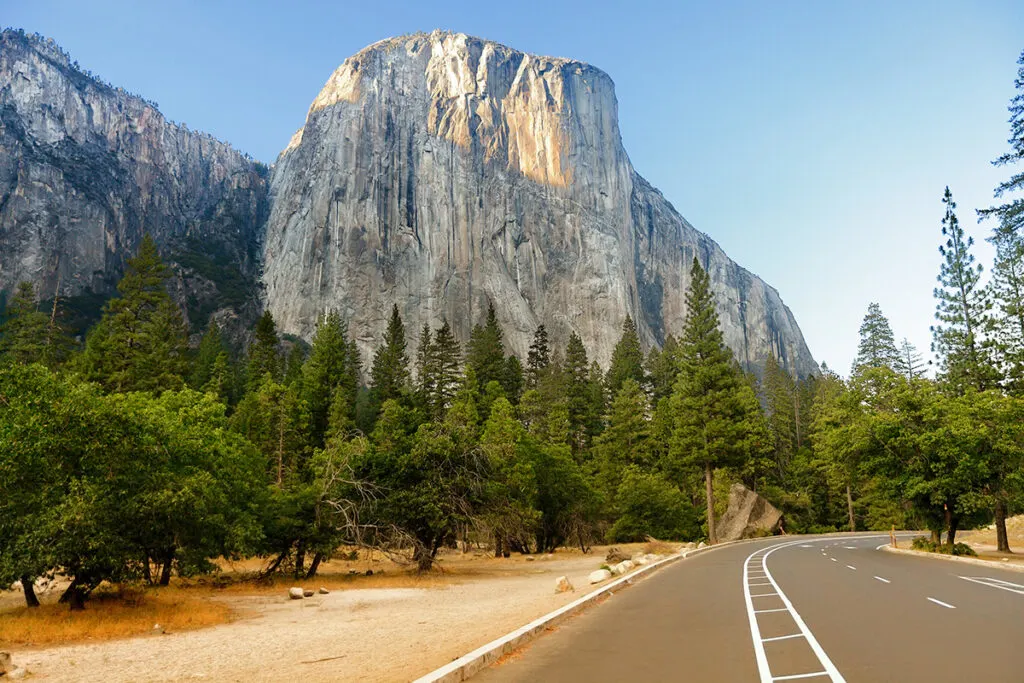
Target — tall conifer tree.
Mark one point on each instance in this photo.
(141, 342)
(627, 360)
(538, 358)
(708, 402)
(264, 351)
(877, 348)
(962, 310)
(389, 375)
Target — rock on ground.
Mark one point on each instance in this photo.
(599, 576)
(748, 515)
(296, 593)
(563, 585)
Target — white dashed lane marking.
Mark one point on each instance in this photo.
(943, 604)
(883, 580)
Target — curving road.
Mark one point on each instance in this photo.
(813, 608)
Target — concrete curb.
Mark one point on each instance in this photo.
(485, 655)
(991, 564)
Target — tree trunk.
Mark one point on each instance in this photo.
(936, 537)
(147, 571)
(300, 558)
(710, 494)
(1002, 541)
(950, 526)
(75, 594)
(30, 592)
(165, 571)
(317, 559)
(497, 544)
(849, 509)
(423, 558)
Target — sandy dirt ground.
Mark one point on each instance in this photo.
(375, 634)
(984, 541)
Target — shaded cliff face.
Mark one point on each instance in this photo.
(440, 172)
(86, 169)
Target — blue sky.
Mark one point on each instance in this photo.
(812, 140)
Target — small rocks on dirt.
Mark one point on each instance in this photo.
(599, 576)
(622, 567)
(563, 585)
(702, 544)
(307, 593)
(324, 591)
(6, 665)
(530, 558)
(296, 593)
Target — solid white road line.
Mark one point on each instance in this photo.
(781, 609)
(852, 547)
(763, 595)
(944, 604)
(796, 676)
(884, 580)
(760, 584)
(996, 583)
(791, 635)
(850, 566)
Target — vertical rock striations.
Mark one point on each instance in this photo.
(441, 171)
(86, 169)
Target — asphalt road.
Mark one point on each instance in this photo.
(812, 608)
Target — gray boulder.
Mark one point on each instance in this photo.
(748, 515)
(599, 575)
(296, 593)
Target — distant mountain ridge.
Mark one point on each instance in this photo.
(437, 171)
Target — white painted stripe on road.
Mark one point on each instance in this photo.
(850, 566)
(759, 584)
(796, 676)
(833, 559)
(764, 670)
(995, 583)
(763, 595)
(883, 580)
(806, 546)
(944, 604)
(791, 635)
(781, 609)
(850, 547)
(884, 545)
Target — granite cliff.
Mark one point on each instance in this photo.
(442, 172)
(86, 169)
(439, 172)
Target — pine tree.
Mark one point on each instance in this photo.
(330, 374)
(389, 375)
(426, 372)
(141, 342)
(708, 402)
(576, 375)
(780, 398)
(264, 351)
(293, 364)
(445, 355)
(1011, 214)
(877, 348)
(627, 439)
(210, 348)
(538, 358)
(1007, 325)
(962, 311)
(663, 368)
(485, 353)
(23, 335)
(513, 382)
(911, 365)
(627, 360)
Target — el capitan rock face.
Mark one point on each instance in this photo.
(441, 171)
(87, 169)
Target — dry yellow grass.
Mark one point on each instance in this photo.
(112, 615)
